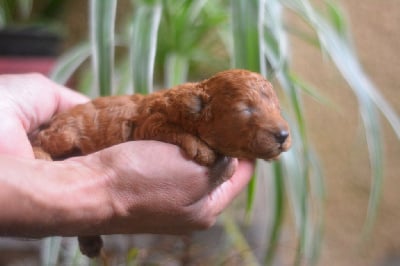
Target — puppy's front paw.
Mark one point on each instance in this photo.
(205, 156)
(199, 152)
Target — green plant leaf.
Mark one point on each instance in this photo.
(187, 31)
(296, 170)
(6, 8)
(274, 41)
(176, 70)
(279, 208)
(131, 256)
(297, 164)
(245, 26)
(238, 241)
(143, 46)
(370, 116)
(102, 21)
(2, 17)
(251, 193)
(317, 198)
(337, 19)
(50, 250)
(312, 92)
(24, 8)
(69, 63)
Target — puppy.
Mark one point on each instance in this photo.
(235, 113)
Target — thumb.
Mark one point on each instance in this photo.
(223, 195)
(67, 98)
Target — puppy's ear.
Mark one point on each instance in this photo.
(198, 102)
(206, 106)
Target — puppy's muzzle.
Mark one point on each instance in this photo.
(282, 136)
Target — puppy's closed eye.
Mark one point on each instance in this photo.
(245, 109)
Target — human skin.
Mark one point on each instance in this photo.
(134, 187)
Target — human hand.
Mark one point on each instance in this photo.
(28, 101)
(152, 188)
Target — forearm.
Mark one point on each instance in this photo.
(40, 198)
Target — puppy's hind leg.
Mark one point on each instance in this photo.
(92, 246)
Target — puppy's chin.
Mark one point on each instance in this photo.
(272, 154)
(273, 158)
(286, 145)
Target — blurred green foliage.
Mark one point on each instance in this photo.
(171, 41)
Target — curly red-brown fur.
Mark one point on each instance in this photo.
(235, 113)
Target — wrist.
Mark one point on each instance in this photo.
(41, 198)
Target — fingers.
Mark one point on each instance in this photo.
(209, 207)
(51, 99)
(67, 98)
(223, 195)
(223, 168)
(28, 101)
(13, 139)
(33, 98)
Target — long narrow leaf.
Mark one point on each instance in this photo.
(297, 162)
(370, 117)
(3, 18)
(102, 21)
(238, 241)
(274, 41)
(69, 63)
(50, 250)
(246, 34)
(297, 190)
(176, 69)
(251, 194)
(143, 46)
(317, 192)
(5, 12)
(279, 207)
(24, 8)
(246, 49)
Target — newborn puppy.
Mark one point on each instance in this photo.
(235, 113)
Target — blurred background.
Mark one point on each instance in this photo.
(334, 127)
(339, 139)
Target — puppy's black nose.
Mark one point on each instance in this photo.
(282, 136)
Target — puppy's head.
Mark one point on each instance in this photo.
(241, 116)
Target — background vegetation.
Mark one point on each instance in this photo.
(162, 43)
